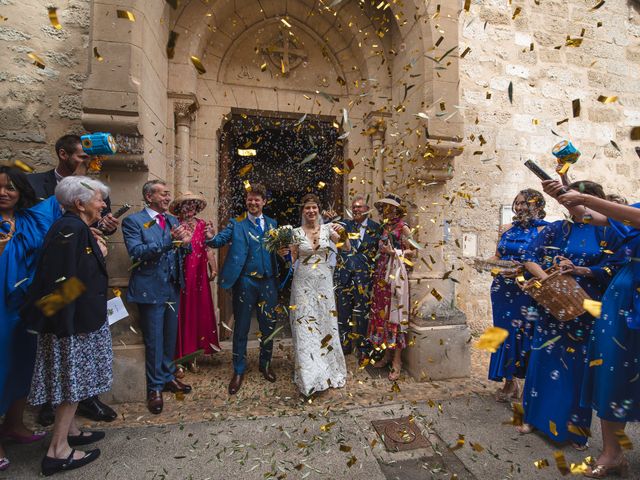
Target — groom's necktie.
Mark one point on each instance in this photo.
(259, 226)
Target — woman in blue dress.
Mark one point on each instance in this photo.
(555, 374)
(612, 384)
(508, 302)
(22, 230)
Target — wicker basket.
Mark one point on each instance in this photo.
(559, 293)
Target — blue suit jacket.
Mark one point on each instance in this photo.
(358, 264)
(157, 275)
(240, 233)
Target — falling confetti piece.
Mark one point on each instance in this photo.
(516, 12)
(23, 166)
(552, 428)
(595, 363)
(598, 5)
(245, 170)
(547, 343)
(575, 105)
(635, 133)
(459, 443)
(97, 55)
(623, 440)
(171, 43)
(126, 14)
(53, 18)
(510, 92)
(467, 5)
(593, 307)
(492, 338)
(616, 146)
(37, 61)
(198, 65)
(604, 99)
(68, 291)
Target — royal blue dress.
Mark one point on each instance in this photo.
(612, 383)
(551, 397)
(17, 266)
(510, 305)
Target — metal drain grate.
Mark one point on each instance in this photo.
(400, 434)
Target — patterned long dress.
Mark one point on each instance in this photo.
(381, 331)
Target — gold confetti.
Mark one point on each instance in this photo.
(492, 338)
(97, 55)
(598, 5)
(595, 363)
(459, 443)
(247, 185)
(623, 440)
(542, 463)
(126, 14)
(325, 341)
(171, 43)
(607, 99)
(580, 431)
(467, 5)
(263, 67)
(245, 170)
(149, 224)
(352, 461)
(327, 426)
(593, 307)
(575, 105)
(37, 61)
(117, 292)
(466, 51)
(53, 18)
(345, 448)
(516, 12)
(198, 64)
(561, 462)
(436, 294)
(68, 291)
(476, 447)
(518, 414)
(23, 166)
(552, 428)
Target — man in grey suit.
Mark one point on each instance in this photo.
(156, 244)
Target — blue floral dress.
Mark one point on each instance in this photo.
(510, 305)
(612, 378)
(555, 374)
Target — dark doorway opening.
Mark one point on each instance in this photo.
(291, 155)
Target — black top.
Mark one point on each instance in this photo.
(44, 184)
(69, 250)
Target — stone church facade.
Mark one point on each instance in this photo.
(440, 102)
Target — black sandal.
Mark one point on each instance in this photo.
(52, 465)
(82, 439)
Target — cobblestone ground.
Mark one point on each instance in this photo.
(365, 387)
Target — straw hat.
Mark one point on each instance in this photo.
(391, 199)
(201, 203)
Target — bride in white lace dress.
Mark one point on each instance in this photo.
(319, 362)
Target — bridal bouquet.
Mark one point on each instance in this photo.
(281, 237)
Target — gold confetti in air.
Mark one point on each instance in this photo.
(126, 14)
(37, 61)
(516, 12)
(595, 363)
(97, 55)
(598, 5)
(575, 106)
(492, 338)
(68, 291)
(245, 170)
(607, 99)
(198, 65)
(635, 133)
(171, 43)
(53, 18)
(23, 166)
(623, 440)
(467, 5)
(593, 307)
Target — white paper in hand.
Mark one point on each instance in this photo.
(116, 310)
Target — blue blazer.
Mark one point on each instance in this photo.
(358, 264)
(157, 275)
(241, 235)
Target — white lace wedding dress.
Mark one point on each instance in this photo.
(319, 362)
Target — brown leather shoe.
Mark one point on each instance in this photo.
(235, 383)
(268, 374)
(175, 386)
(154, 401)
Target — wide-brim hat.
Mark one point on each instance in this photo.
(391, 199)
(200, 201)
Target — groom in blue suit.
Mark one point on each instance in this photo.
(251, 272)
(156, 244)
(354, 274)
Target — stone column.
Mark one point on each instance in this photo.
(184, 115)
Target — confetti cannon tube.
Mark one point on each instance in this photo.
(99, 144)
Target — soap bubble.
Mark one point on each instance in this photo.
(555, 375)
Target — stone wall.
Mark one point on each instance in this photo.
(39, 105)
(530, 52)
